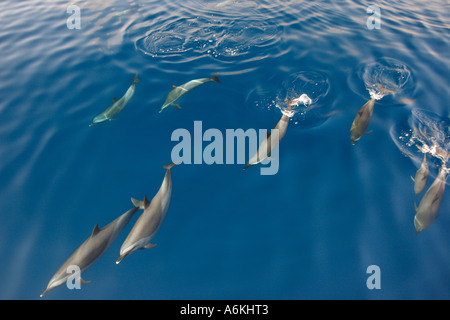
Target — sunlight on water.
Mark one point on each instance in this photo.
(353, 205)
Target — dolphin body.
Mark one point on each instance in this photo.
(178, 92)
(148, 224)
(421, 178)
(269, 144)
(91, 249)
(431, 201)
(361, 121)
(117, 106)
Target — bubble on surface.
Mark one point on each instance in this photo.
(385, 76)
(220, 37)
(424, 132)
(301, 97)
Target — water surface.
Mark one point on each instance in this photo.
(308, 232)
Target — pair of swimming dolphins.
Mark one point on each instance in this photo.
(427, 211)
(428, 208)
(143, 231)
(174, 95)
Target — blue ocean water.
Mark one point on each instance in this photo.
(308, 232)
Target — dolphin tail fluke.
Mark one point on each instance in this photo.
(137, 203)
(421, 149)
(140, 204)
(136, 79)
(215, 78)
(169, 166)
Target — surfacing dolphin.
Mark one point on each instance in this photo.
(178, 92)
(421, 177)
(428, 208)
(91, 249)
(148, 224)
(270, 143)
(117, 106)
(361, 121)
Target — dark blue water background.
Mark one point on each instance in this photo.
(308, 232)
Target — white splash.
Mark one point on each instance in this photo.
(377, 95)
(302, 99)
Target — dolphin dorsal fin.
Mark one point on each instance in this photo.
(95, 231)
(146, 202)
(174, 86)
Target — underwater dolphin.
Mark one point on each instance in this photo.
(178, 92)
(151, 219)
(117, 106)
(431, 201)
(361, 121)
(421, 178)
(267, 146)
(91, 249)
